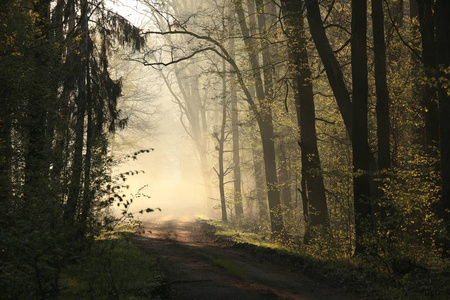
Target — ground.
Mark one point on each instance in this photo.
(197, 266)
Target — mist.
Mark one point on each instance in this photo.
(171, 175)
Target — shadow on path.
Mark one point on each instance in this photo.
(197, 268)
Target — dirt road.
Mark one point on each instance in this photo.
(198, 268)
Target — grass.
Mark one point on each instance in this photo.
(364, 276)
(227, 231)
(113, 269)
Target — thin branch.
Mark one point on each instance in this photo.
(399, 34)
(329, 12)
(146, 63)
(340, 27)
(325, 121)
(223, 54)
(343, 46)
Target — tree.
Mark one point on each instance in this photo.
(332, 68)
(361, 152)
(238, 205)
(429, 56)
(382, 91)
(221, 138)
(265, 122)
(61, 105)
(442, 11)
(316, 212)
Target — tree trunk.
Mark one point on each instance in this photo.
(221, 142)
(265, 123)
(382, 91)
(238, 206)
(361, 153)
(442, 13)
(429, 94)
(261, 197)
(39, 107)
(334, 72)
(332, 68)
(70, 210)
(87, 193)
(316, 212)
(286, 195)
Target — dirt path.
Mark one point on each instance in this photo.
(198, 268)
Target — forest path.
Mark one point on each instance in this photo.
(197, 267)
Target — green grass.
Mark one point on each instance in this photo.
(114, 269)
(226, 230)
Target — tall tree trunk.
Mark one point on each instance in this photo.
(39, 107)
(261, 197)
(283, 165)
(429, 94)
(265, 122)
(442, 13)
(361, 153)
(87, 193)
(316, 212)
(70, 210)
(221, 141)
(332, 68)
(382, 91)
(62, 128)
(238, 206)
(267, 66)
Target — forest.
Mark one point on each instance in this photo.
(321, 126)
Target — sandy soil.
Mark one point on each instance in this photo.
(197, 267)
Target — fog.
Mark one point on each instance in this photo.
(174, 111)
(171, 175)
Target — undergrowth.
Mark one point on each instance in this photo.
(366, 276)
(113, 268)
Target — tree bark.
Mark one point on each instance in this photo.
(284, 177)
(316, 212)
(265, 122)
(238, 205)
(332, 68)
(442, 13)
(70, 210)
(261, 196)
(429, 94)
(361, 153)
(382, 91)
(221, 142)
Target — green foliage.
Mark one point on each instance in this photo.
(46, 161)
(112, 269)
(409, 227)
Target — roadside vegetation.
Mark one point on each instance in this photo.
(370, 277)
(112, 269)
